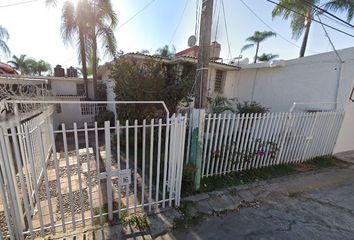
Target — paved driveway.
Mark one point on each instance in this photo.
(322, 209)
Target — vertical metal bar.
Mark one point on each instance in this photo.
(183, 132)
(178, 157)
(241, 150)
(238, 142)
(172, 159)
(99, 171)
(56, 167)
(222, 136)
(127, 161)
(189, 138)
(143, 164)
(12, 182)
(251, 147)
(119, 168)
(212, 136)
(107, 134)
(235, 120)
(288, 124)
(159, 161)
(224, 146)
(36, 190)
(166, 161)
(215, 145)
(151, 162)
(44, 167)
(68, 173)
(79, 174)
(135, 164)
(206, 140)
(88, 161)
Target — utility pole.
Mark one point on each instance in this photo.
(201, 89)
(198, 114)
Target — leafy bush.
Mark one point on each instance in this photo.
(104, 116)
(101, 92)
(250, 107)
(220, 104)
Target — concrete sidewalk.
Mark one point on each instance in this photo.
(311, 205)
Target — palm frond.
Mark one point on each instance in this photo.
(247, 46)
(341, 6)
(109, 43)
(69, 25)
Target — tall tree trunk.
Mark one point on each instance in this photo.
(94, 65)
(83, 59)
(256, 56)
(306, 37)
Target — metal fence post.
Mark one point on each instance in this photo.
(197, 122)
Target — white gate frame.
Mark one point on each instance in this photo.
(174, 147)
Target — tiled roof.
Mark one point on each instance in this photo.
(7, 69)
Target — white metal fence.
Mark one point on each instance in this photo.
(236, 142)
(92, 172)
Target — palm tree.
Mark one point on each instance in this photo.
(343, 6)
(300, 24)
(267, 57)
(103, 22)
(41, 66)
(20, 63)
(256, 39)
(75, 28)
(4, 36)
(90, 20)
(301, 15)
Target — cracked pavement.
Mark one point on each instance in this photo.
(317, 205)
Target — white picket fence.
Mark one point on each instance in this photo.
(237, 142)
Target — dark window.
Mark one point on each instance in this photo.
(80, 87)
(219, 81)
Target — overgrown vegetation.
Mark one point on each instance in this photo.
(220, 104)
(188, 175)
(212, 183)
(188, 218)
(250, 107)
(150, 80)
(137, 221)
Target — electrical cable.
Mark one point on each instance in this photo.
(266, 24)
(329, 26)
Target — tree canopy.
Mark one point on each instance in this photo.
(151, 80)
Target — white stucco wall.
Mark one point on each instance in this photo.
(345, 140)
(67, 86)
(309, 79)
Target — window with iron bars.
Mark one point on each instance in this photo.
(219, 81)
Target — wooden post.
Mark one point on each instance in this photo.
(197, 122)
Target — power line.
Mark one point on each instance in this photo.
(217, 21)
(136, 14)
(179, 21)
(328, 13)
(227, 33)
(329, 26)
(330, 40)
(19, 3)
(266, 24)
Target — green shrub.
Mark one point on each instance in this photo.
(105, 116)
(250, 107)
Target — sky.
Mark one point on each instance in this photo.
(35, 29)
